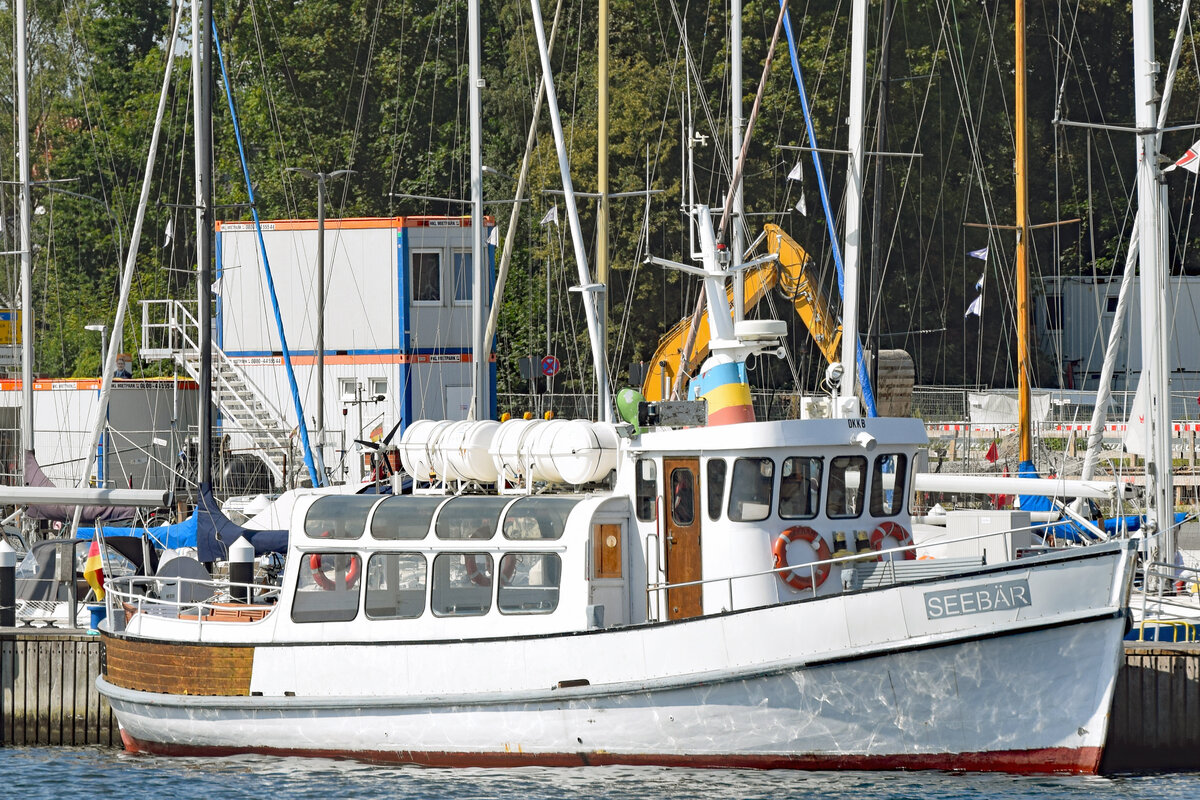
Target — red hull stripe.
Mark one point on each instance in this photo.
(1083, 760)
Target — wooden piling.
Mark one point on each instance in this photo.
(1155, 708)
(48, 690)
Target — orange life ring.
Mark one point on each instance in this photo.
(896, 531)
(779, 550)
(480, 577)
(324, 581)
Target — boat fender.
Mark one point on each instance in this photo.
(896, 531)
(794, 579)
(480, 577)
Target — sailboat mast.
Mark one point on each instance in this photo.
(202, 122)
(873, 287)
(854, 192)
(480, 360)
(602, 172)
(1024, 368)
(1153, 267)
(26, 212)
(738, 234)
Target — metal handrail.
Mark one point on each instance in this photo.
(116, 596)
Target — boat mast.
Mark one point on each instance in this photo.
(1153, 265)
(202, 122)
(877, 202)
(602, 174)
(854, 192)
(1024, 368)
(481, 362)
(26, 203)
(738, 233)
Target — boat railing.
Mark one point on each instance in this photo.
(873, 570)
(200, 599)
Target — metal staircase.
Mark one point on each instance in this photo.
(170, 330)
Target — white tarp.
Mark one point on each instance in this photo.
(1001, 409)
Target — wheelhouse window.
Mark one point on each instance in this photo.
(327, 587)
(647, 489)
(887, 485)
(427, 277)
(404, 517)
(470, 517)
(751, 489)
(715, 472)
(529, 583)
(395, 586)
(800, 487)
(683, 496)
(338, 516)
(847, 484)
(462, 585)
(538, 517)
(463, 277)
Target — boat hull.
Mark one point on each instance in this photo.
(980, 702)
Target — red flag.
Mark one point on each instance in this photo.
(992, 454)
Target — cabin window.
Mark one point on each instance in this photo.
(751, 488)
(463, 277)
(470, 517)
(327, 587)
(800, 487)
(683, 496)
(538, 517)
(395, 586)
(715, 472)
(847, 483)
(338, 516)
(647, 489)
(404, 517)
(887, 485)
(462, 584)
(529, 583)
(427, 277)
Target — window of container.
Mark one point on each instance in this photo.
(647, 489)
(462, 584)
(715, 472)
(463, 277)
(404, 517)
(751, 489)
(327, 587)
(800, 487)
(538, 517)
(339, 516)
(887, 485)
(427, 277)
(529, 583)
(470, 517)
(395, 586)
(847, 485)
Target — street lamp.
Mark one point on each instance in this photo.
(320, 178)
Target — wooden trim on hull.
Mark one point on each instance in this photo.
(1081, 761)
(177, 668)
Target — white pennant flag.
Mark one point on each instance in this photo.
(1189, 161)
(493, 237)
(980, 254)
(802, 206)
(797, 173)
(979, 283)
(551, 216)
(170, 231)
(975, 308)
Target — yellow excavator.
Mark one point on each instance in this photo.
(791, 274)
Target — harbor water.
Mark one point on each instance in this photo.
(37, 773)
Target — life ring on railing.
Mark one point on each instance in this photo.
(481, 577)
(896, 531)
(779, 550)
(327, 583)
